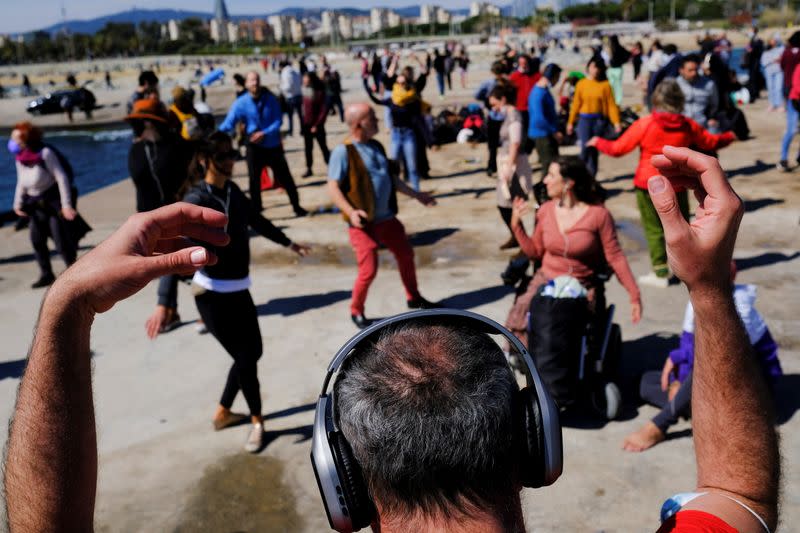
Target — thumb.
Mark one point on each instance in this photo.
(180, 262)
(666, 203)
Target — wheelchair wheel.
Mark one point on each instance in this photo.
(613, 400)
(607, 400)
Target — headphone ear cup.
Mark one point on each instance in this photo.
(354, 488)
(532, 439)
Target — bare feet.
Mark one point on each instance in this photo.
(162, 320)
(645, 438)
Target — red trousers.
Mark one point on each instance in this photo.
(365, 242)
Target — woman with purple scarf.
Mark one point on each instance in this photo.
(44, 195)
(671, 388)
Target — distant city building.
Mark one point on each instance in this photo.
(280, 27)
(362, 26)
(218, 28)
(382, 18)
(297, 30)
(171, 30)
(346, 27)
(478, 9)
(429, 13)
(255, 31)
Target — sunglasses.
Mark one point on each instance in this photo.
(226, 156)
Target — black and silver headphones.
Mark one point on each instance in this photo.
(341, 483)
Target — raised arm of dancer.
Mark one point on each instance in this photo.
(51, 460)
(379, 101)
(736, 444)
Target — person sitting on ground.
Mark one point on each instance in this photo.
(700, 93)
(363, 183)
(666, 126)
(469, 483)
(671, 388)
(574, 235)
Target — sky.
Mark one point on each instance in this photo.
(19, 17)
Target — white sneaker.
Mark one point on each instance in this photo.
(652, 280)
(256, 439)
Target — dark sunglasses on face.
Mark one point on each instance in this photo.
(226, 156)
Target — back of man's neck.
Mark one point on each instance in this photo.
(483, 523)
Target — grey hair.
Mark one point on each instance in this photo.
(428, 409)
(668, 97)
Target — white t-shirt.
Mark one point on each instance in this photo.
(744, 297)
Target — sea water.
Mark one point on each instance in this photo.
(99, 158)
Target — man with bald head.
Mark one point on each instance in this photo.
(363, 183)
(258, 109)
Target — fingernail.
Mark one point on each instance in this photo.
(198, 257)
(656, 184)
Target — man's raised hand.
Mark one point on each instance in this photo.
(147, 246)
(699, 252)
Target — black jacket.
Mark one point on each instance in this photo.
(233, 259)
(158, 171)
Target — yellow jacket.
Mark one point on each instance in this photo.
(593, 97)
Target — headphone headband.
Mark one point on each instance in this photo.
(485, 325)
(344, 492)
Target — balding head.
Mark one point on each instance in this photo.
(361, 121)
(253, 83)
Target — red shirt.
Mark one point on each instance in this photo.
(695, 522)
(657, 130)
(523, 83)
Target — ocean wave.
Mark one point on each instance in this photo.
(98, 136)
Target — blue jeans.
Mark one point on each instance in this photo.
(791, 130)
(440, 82)
(404, 139)
(295, 105)
(168, 291)
(775, 88)
(590, 126)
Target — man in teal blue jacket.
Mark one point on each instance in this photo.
(543, 125)
(258, 109)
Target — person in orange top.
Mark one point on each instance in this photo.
(574, 235)
(666, 126)
(593, 107)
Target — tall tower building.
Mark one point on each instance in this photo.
(221, 18)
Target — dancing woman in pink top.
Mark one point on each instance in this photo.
(574, 235)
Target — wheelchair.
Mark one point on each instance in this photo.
(579, 367)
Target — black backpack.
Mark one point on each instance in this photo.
(64, 162)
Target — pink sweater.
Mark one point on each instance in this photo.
(581, 251)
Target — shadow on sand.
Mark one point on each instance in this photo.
(765, 259)
(294, 305)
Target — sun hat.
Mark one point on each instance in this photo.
(148, 109)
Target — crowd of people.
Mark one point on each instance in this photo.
(179, 154)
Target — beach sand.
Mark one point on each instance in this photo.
(162, 468)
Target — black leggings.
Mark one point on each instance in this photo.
(671, 411)
(259, 157)
(309, 137)
(232, 318)
(46, 223)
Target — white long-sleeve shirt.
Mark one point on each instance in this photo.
(35, 180)
(290, 82)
